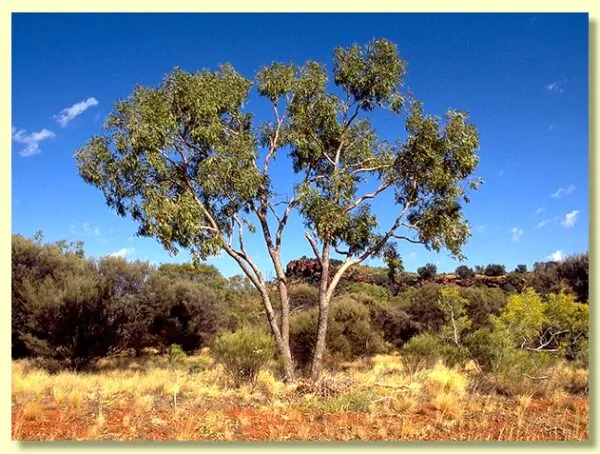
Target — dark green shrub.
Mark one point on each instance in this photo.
(464, 272)
(427, 272)
(495, 269)
(420, 303)
(74, 321)
(350, 332)
(521, 269)
(303, 296)
(483, 302)
(243, 353)
(190, 314)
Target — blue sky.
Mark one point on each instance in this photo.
(522, 77)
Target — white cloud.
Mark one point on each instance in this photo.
(67, 114)
(31, 141)
(543, 223)
(516, 233)
(555, 87)
(123, 252)
(556, 256)
(570, 218)
(481, 228)
(84, 228)
(539, 210)
(562, 191)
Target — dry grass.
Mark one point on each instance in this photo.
(378, 398)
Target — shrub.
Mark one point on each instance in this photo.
(420, 303)
(495, 269)
(350, 332)
(303, 296)
(422, 350)
(464, 272)
(483, 302)
(73, 321)
(521, 269)
(427, 272)
(243, 353)
(189, 314)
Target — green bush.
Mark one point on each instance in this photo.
(350, 332)
(244, 352)
(423, 350)
(495, 269)
(464, 272)
(303, 296)
(427, 272)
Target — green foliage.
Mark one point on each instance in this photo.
(303, 296)
(453, 306)
(420, 303)
(189, 314)
(521, 269)
(524, 315)
(464, 272)
(73, 321)
(243, 353)
(574, 270)
(350, 332)
(495, 269)
(427, 272)
(176, 354)
(423, 349)
(483, 303)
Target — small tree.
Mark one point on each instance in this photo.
(73, 321)
(521, 269)
(453, 305)
(427, 272)
(185, 161)
(464, 272)
(495, 269)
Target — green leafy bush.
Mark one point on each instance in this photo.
(244, 352)
(350, 332)
(495, 269)
(427, 272)
(464, 272)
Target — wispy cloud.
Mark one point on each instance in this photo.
(570, 219)
(69, 113)
(481, 228)
(563, 191)
(543, 223)
(123, 252)
(31, 141)
(539, 210)
(555, 87)
(556, 256)
(516, 233)
(84, 228)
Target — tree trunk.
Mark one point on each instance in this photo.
(321, 342)
(283, 347)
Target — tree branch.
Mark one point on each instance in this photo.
(283, 222)
(371, 195)
(314, 247)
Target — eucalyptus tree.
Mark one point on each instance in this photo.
(194, 168)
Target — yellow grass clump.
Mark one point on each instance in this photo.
(442, 379)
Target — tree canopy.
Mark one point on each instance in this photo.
(191, 165)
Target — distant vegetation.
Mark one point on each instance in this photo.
(69, 311)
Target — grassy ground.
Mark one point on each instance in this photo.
(382, 398)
